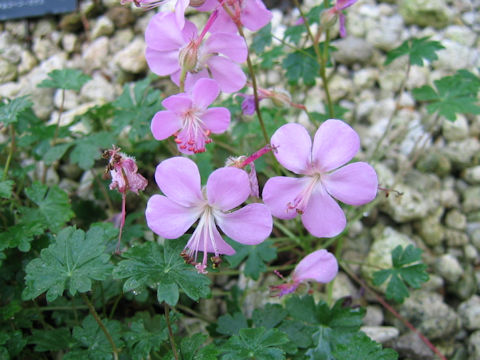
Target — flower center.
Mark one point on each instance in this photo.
(301, 200)
(193, 136)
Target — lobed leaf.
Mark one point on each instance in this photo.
(67, 79)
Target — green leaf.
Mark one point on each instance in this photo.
(362, 347)
(53, 210)
(301, 65)
(72, 261)
(145, 334)
(92, 342)
(168, 293)
(6, 188)
(51, 340)
(55, 153)
(135, 107)
(453, 94)
(157, 266)
(418, 50)
(413, 275)
(271, 57)
(9, 112)
(87, 149)
(262, 39)
(299, 333)
(256, 255)
(270, 316)
(231, 325)
(67, 79)
(192, 348)
(257, 343)
(295, 33)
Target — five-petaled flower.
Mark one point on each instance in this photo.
(172, 214)
(320, 266)
(188, 118)
(324, 177)
(181, 51)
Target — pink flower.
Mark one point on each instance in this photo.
(250, 13)
(172, 214)
(320, 266)
(336, 10)
(311, 196)
(171, 49)
(123, 171)
(189, 120)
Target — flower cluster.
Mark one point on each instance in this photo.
(204, 63)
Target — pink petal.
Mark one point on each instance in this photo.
(341, 22)
(292, 147)
(279, 191)
(335, 144)
(216, 119)
(255, 15)
(221, 246)
(165, 124)
(178, 103)
(180, 7)
(249, 225)
(207, 5)
(343, 4)
(193, 78)
(167, 218)
(223, 23)
(323, 217)
(230, 45)
(320, 266)
(227, 188)
(172, 37)
(227, 74)
(162, 63)
(204, 92)
(179, 180)
(353, 184)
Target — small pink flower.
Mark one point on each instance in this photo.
(336, 10)
(172, 214)
(171, 49)
(188, 118)
(252, 14)
(320, 266)
(324, 176)
(123, 171)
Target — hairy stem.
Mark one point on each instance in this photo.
(392, 310)
(170, 332)
(101, 324)
(11, 150)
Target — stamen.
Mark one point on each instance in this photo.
(301, 200)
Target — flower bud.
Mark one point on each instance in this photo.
(188, 57)
(328, 18)
(280, 97)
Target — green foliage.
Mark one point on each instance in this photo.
(135, 109)
(71, 262)
(87, 149)
(162, 268)
(66, 79)
(362, 347)
(452, 94)
(262, 39)
(9, 113)
(52, 340)
(92, 343)
(230, 325)
(301, 65)
(256, 255)
(256, 343)
(401, 273)
(145, 334)
(418, 51)
(6, 187)
(192, 348)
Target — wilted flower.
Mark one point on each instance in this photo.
(172, 214)
(320, 266)
(324, 177)
(329, 15)
(189, 119)
(172, 49)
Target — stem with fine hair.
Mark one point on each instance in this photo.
(101, 325)
(11, 150)
(321, 58)
(170, 332)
